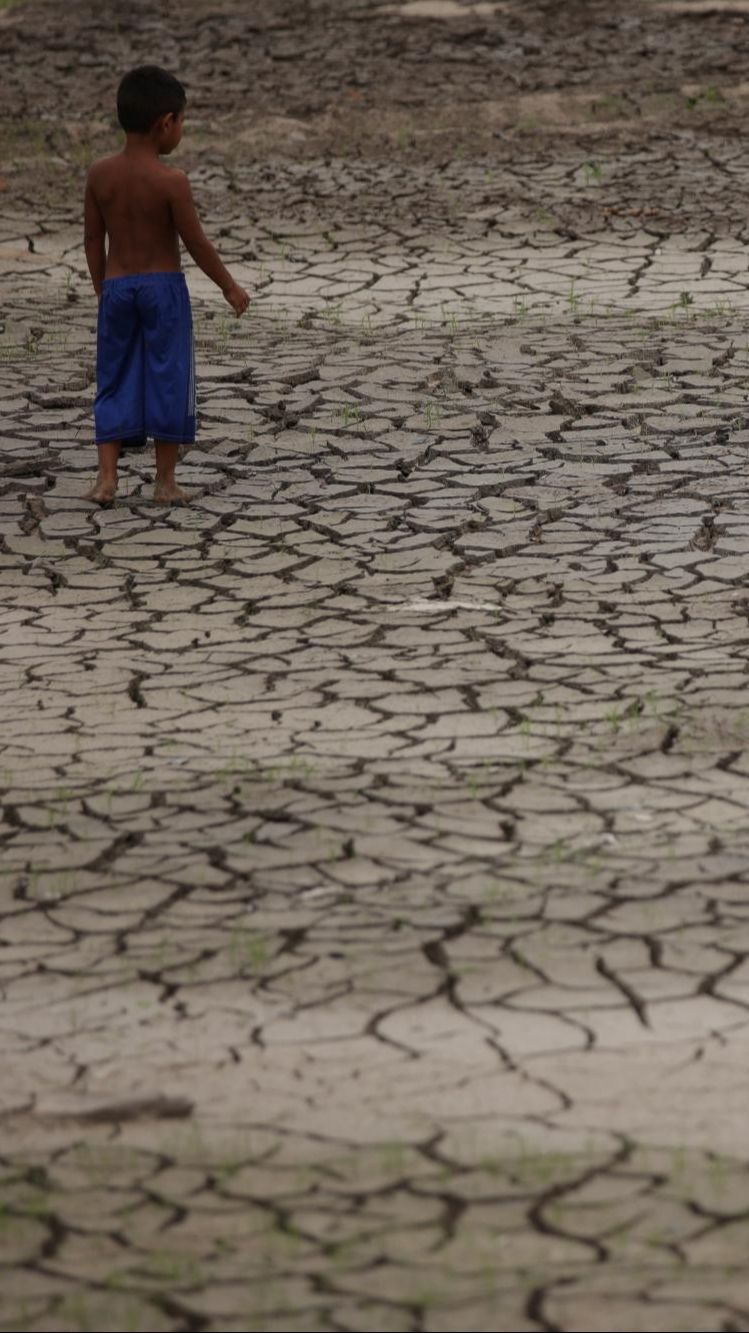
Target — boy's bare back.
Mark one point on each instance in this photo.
(137, 198)
(142, 207)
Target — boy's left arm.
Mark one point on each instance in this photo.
(94, 236)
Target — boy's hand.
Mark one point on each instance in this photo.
(237, 298)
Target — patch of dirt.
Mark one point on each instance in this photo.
(428, 81)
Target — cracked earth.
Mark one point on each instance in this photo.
(374, 930)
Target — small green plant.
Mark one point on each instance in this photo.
(495, 891)
(133, 1320)
(232, 765)
(543, 215)
(394, 1158)
(710, 95)
(247, 950)
(721, 309)
(592, 171)
(432, 413)
(719, 1170)
(178, 1268)
(222, 325)
(614, 719)
(350, 412)
(573, 300)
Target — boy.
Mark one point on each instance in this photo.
(145, 368)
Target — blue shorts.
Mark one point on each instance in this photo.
(145, 360)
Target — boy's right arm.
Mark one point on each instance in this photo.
(94, 234)
(196, 242)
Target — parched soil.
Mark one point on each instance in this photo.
(373, 846)
(398, 84)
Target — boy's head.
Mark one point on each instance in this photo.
(147, 95)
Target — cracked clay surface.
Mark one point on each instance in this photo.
(374, 923)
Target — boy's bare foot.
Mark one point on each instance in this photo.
(102, 492)
(169, 493)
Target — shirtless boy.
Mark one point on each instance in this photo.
(145, 364)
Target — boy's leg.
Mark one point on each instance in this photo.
(169, 415)
(166, 491)
(118, 406)
(104, 488)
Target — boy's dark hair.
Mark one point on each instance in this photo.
(145, 94)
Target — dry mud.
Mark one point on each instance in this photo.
(374, 922)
